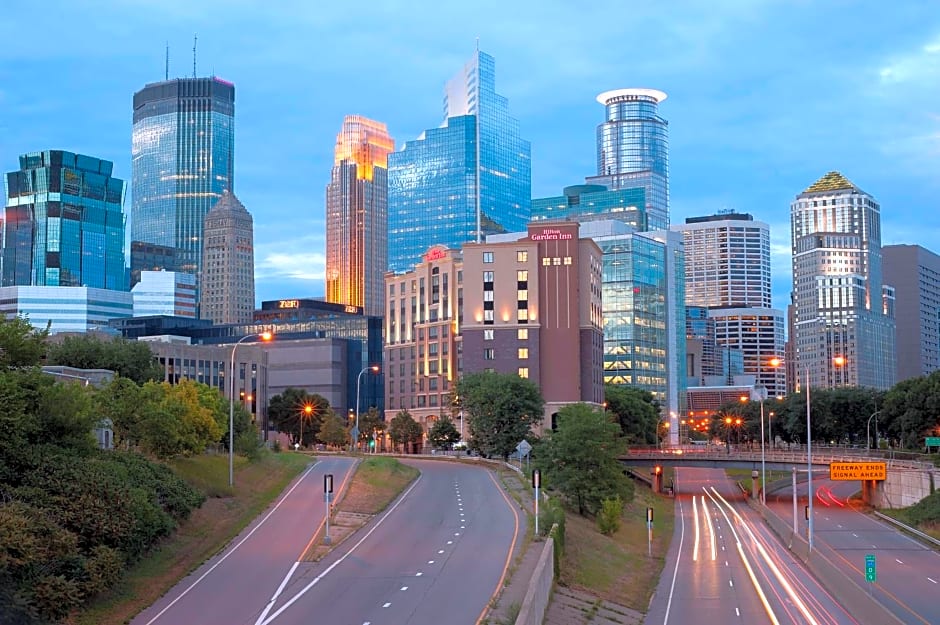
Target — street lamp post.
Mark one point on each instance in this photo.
(264, 336)
(809, 463)
(868, 432)
(374, 369)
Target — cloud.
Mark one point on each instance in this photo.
(917, 66)
(277, 262)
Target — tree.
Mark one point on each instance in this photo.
(403, 429)
(580, 459)
(370, 424)
(443, 434)
(120, 402)
(21, 345)
(911, 411)
(333, 430)
(129, 359)
(290, 407)
(635, 410)
(500, 410)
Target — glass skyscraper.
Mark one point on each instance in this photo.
(633, 149)
(64, 223)
(357, 216)
(460, 182)
(182, 160)
(843, 330)
(591, 202)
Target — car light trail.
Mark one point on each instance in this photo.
(791, 592)
(711, 530)
(695, 516)
(747, 565)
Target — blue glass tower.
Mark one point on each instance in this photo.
(182, 160)
(64, 223)
(633, 149)
(460, 182)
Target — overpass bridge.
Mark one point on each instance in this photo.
(910, 477)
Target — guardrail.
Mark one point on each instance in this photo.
(908, 528)
(822, 456)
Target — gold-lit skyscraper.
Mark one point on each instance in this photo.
(357, 216)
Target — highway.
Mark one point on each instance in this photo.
(908, 573)
(438, 554)
(724, 566)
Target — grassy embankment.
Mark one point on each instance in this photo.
(377, 482)
(617, 568)
(924, 515)
(743, 477)
(225, 513)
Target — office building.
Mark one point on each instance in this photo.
(914, 272)
(727, 270)
(532, 307)
(357, 216)
(844, 330)
(423, 340)
(707, 362)
(66, 308)
(464, 180)
(227, 294)
(633, 149)
(182, 159)
(643, 311)
(150, 257)
(64, 223)
(586, 202)
(165, 293)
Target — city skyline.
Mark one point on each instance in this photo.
(747, 131)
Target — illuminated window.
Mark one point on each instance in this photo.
(523, 294)
(522, 275)
(523, 372)
(567, 260)
(546, 261)
(489, 354)
(556, 261)
(487, 276)
(522, 334)
(487, 257)
(522, 315)
(487, 335)
(522, 256)
(488, 316)
(523, 353)
(487, 296)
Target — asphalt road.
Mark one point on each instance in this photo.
(437, 555)
(725, 567)
(908, 574)
(233, 587)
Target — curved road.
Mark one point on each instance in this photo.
(908, 572)
(724, 566)
(437, 554)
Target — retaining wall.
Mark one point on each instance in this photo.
(539, 592)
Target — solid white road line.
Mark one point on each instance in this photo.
(277, 593)
(675, 572)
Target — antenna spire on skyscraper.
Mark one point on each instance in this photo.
(194, 54)
(167, 71)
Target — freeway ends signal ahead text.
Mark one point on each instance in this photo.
(850, 471)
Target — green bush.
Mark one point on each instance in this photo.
(552, 514)
(608, 518)
(926, 511)
(247, 444)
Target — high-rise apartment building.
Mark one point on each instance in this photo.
(727, 270)
(633, 149)
(64, 223)
(914, 272)
(464, 180)
(227, 293)
(182, 159)
(532, 307)
(844, 330)
(357, 216)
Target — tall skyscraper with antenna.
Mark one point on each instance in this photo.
(183, 150)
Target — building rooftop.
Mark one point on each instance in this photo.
(832, 181)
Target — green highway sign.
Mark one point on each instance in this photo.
(933, 441)
(870, 574)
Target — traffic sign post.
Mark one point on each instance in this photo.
(871, 574)
(649, 532)
(328, 498)
(932, 441)
(536, 484)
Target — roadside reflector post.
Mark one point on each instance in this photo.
(328, 498)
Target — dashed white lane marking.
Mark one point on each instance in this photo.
(404, 588)
(731, 583)
(722, 547)
(737, 612)
(450, 542)
(430, 561)
(931, 580)
(440, 551)
(854, 534)
(418, 574)
(385, 605)
(898, 561)
(456, 533)
(726, 563)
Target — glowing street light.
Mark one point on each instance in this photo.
(306, 413)
(355, 432)
(263, 337)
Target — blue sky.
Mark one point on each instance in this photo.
(765, 96)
